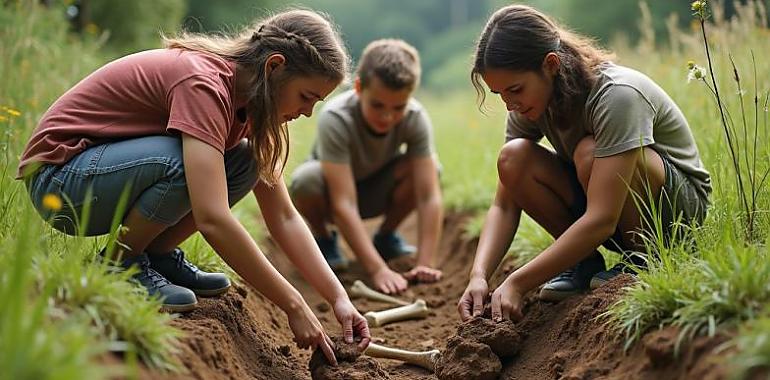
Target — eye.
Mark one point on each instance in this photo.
(400, 108)
(304, 97)
(377, 105)
(516, 90)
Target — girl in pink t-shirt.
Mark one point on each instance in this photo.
(175, 137)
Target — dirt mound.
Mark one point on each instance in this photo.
(350, 364)
(243, 336)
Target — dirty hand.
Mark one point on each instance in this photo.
(388, 281)
(422, 273)
(353, 323)
(308, 332)
(507, 302)
(471, 303)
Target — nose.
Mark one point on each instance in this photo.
(307, 111)
(511, 105)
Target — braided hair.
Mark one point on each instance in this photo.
(311, 46)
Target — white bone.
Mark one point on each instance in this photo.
(425, 359)
(360, 290)
(418, 309)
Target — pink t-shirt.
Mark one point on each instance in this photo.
(155, 92)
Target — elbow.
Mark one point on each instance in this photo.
(604, 225)
(209, 223)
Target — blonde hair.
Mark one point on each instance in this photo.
(395, 62)
(312, 47)
(518, 38)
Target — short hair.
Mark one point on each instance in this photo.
(395, 62)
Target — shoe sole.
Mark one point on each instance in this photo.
(556, 295)
(178, 308)
(210, 292)
(596, 283)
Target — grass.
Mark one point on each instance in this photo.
(61, 312)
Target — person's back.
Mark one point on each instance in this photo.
(141, 94)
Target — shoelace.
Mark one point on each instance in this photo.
(149, 275)
(182, 263)
(566, 275)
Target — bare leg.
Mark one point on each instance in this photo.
(539, 184)
(647, 183)
(137, 234)
(169, 239)
(315, 210)
(402, 200)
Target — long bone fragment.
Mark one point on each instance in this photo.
(418, 309)
(424, 359)
(359, 289)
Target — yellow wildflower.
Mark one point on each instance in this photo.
(3, 118)
(52, 202)
(13, 112)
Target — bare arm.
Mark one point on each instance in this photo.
(607, 193)
(498, 232)
(293, 236)
(429, 210)
(206, 180)
(344, 205)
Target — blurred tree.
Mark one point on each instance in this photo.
(132, 25)
(225, 15)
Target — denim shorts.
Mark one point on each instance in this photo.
(149, 170)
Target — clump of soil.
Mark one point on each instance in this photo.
(350, 364)
(465, 359)
(502, 337)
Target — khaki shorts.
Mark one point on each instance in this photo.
(373, 192)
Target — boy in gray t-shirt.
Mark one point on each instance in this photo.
(359, 169)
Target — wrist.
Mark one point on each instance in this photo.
(292, 304)
(478, 275)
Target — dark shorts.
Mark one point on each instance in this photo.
(679, 202)
(373, 192)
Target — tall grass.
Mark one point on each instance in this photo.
(723, 283)
(60, 310)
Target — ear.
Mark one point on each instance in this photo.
(551, 64)
(274, 62)
(357, 85)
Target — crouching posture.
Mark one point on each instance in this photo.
(617, 139)
(185, 132)
(357, 169)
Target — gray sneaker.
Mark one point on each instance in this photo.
(179, 271)
(175, 298)
(573, 280)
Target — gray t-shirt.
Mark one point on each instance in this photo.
(624, 110)
(344, 137)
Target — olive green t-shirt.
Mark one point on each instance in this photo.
(345, 138)
(623, 111)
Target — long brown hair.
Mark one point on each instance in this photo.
(518, 38)
(311, 45)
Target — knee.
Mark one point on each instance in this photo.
(512, 161)
(583, 157)
(307, 182)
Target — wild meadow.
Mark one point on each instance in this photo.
(61, 313)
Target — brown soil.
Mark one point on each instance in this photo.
(241, 335)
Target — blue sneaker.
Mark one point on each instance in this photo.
(175, 298)
(331, 252)
(391, 245)
(175, 268)
(602, 277)
(573, 280)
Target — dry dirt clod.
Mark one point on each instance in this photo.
(350, 364)
(467, 360)
(502, 337)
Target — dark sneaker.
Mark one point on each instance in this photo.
(181, 272)
(602, 277)
(572, 281)
(331, 251)
(175, 298)
(391, 245)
